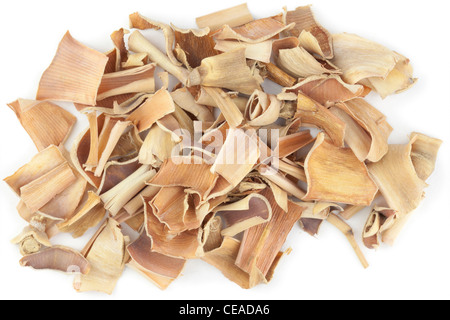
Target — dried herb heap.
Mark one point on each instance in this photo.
(216, 167)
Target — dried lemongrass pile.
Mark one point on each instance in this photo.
(216, 167)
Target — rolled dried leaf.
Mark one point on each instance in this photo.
(253, 32)
(261, 244)
(299, 63)
(261, 51)
(155, 108)
(117, 38)
(336, 175)
(116, 172)
(142, 23)
(313, 37)
(262, 109)
(233, 17)
(39, 192)
(371, 121)
(74, 74)
(212, 234)
(239, 216)
(311, 113)
(90, 214)
(135, 80)
(138, 43)
(281, 181)
(227, 70)
(424, 154)
(46, 123)
(58, 258)
(31, 240)
(379, 220)
(42, 163)
(314, 214)
(136, 204)
(107, 256)
(292, 143)
(183, 98)
(135, 60)
(154, 265)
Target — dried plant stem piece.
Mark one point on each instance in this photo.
(74, 74)
(138, 43)
(350, 211)
(348, 232)
(232, 17)
(281, 181)
(277, 75)
(31, 240)
(379, 221)
(229, 109)
(261, 51)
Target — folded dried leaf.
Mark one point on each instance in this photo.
(261, 51)
(74, 75)
(31, 240)
(262, 109)
(379, 220)
(233, 17)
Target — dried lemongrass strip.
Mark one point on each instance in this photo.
(253, 32)
(226, 105)
(135, 205)
(424, 153)
(262, 109)
(128, 146)
(327, 89)
(373, 122)
(299, 63)
(155, 108)
(116, 172)
(292, 169)
(224, 257)
(186, 171)
(74, 74)
(311, 113)
(58, 258)
(314, 214)
(238, 155)
(135, 60)
(261, 51)
(117, 38)
(39, 192)
(115, 198)
(272, 72)
(233, 17)
(116, 132)
(138, 43)
(348, 232)
(184, 99)
(135, 80)
(379, 220)
(31, 240)
(202, 97)
(42, 163)
(196, 44)
(281, 181)
(90, 214)
(106, 253)
(336, 175)
(313, 37)
(292, 143)
(45, 122)
(227, 70)
(248, 212)
(93, 157)
(212, 234)
(262, 243)
(160, 269)
(142, 23)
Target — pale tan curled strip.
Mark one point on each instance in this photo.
(135, 60)
(238, 156)
(154, 263)
(31, 240)
(379, 221)
(275, 74)
(42, 163)
(262, 109)
(115, 172)
(292, 143)
(293, 170)
(138, 43)
(313, 37)
(106, 254)
(87, 216)
(261, 51)
(117, 38)
(372, 121)
(299, 63)
(281, 181)
(255, 31)
(228, 70)
(212, 234)
(243, 214)
(335, 174)
(74, 74)
(57, 258)
(116, 132)
(155, 108)
(135, 80)
(348, 232)
(93, 157)
(229, 109)
(136, 204)
(183, 98)
(424, 153)
(46, 123)
(39, 192)
(232, 17)
(140, 22)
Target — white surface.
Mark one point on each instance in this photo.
(418, 265)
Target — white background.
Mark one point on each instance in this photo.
(325, 267)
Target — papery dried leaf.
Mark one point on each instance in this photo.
(57, 258)
(136, 204)
(379, 220)
(116, 172)
(281, 181)
(135, 60)
(272, 72)
(45, 122)
(336, 175)
(292, 143)
(74, 74)
(31, 240)
(117, 38)
(424, 154)
(229, 109)
(233, 17)
(262, 109)
(261, 51)
(183, 98)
